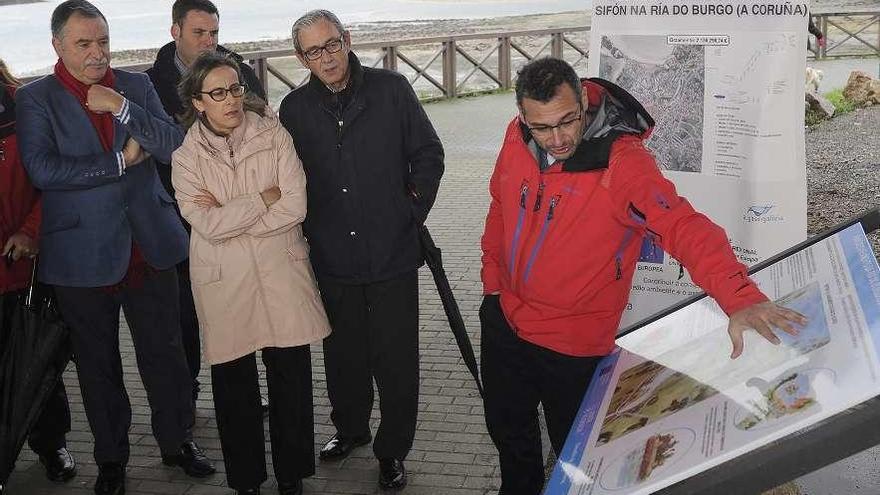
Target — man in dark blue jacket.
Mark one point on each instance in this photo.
(373, 164)
(89, 137)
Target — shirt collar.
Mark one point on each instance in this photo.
(178, 62)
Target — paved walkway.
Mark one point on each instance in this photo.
(452, 453)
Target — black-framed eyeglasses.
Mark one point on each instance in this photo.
(331, 46)
(237, 90)
(565, 125)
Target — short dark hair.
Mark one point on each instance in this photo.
(64, 10)
(192, 81)
(540, 79)
(183, 7)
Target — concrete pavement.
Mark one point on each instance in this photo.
(452, 453)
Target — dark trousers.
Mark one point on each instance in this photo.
(48, 434)
(240, 417)
(189, 325)
(375, 335)
(151, 310)
(517, 375)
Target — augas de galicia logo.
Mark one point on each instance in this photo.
(761, 214)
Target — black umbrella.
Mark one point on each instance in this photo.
(35, 352)
(433, 257)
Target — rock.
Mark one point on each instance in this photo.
(873, 93)
(862, 89)
(818, 105)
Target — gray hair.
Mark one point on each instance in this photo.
(310, 18)
(65, 10)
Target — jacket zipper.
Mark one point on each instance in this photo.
(523, 194)
(618, 256)
(544, 228)
(540, 196)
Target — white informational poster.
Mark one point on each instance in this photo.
(724, 81)
(670, 403)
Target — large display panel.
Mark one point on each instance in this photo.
(669, 403)
(724, 82)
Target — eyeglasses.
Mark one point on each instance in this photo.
(331, 46)
(219, 94)
(543, 131)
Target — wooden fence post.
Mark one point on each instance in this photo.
(556, 45)
(450, 74)
(389, 60)
(504, 63)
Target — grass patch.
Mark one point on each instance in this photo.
(841, 103)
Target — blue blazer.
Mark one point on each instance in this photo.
(91, 214)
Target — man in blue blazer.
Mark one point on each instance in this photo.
(89, 137)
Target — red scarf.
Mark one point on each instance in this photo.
(104, 125)
(103, 122)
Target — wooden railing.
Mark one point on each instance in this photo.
(847, 34)
(468, 65)
(439, 67)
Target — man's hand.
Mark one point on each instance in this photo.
(20, 245)
(271, 196)
(762, 317)
(822, 42)
(132, 153)
(102, 99)
(206, 200)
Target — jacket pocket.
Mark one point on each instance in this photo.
(57, 224)
(203, 275)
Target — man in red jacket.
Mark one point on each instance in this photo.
(574, 192)
(19, 226)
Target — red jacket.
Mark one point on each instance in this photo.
(19, 201)
(561, 246)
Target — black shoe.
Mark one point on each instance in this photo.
(392, 474)
(191, 458)
(264, 405)
(111, 479)
(295, 488)
(338, 448)
(59, 465)
(249, 491)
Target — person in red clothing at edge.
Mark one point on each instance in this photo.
(19, 225)
(573, 192)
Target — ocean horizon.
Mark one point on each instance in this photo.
(138, 24)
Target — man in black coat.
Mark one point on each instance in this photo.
(195, 26)
(373, 164)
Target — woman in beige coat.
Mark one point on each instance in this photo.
(241, 186)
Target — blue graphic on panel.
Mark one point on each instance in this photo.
(651, 252)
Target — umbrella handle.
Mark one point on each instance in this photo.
(29, 299)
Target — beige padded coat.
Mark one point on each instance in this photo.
(252, 281)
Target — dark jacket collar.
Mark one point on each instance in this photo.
(613, 112)
(166, 68)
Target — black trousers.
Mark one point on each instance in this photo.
(240, 417)
(151, 310)
(517, 375)
(48, 434)
(189, 325)
(375, 336)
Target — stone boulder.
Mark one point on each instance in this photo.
(818, 106)
(862, 89)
